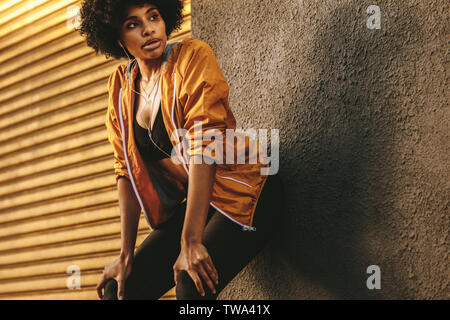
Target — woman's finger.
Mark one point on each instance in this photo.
(175, 276)
(120, 288)
(213, 270)
(198, 283)
(100, 286)
(207, 278)
(209, 267)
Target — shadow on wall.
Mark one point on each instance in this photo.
(338, 168)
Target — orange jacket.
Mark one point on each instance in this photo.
(194, 94)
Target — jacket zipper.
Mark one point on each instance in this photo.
(128, 163)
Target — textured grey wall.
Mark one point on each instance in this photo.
(363, 118)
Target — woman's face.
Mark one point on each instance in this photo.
(142, 24)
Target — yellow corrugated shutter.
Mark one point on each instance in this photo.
(58, 198)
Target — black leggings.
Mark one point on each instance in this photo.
(230, 248)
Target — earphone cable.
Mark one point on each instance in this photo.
(146, 101)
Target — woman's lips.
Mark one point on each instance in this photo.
(152, 46)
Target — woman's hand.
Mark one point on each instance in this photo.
(196, 261)
(119, 270)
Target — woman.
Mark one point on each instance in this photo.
(164, 107)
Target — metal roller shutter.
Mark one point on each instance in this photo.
(59, 215)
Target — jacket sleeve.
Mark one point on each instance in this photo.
(204, 98)
(113, 127)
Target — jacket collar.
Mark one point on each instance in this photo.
(132, 67)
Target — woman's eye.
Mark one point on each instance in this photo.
(132, 24)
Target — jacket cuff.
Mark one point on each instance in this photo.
(122, 174)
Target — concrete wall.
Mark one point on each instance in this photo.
(363, 118)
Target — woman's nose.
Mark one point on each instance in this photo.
(148, 28)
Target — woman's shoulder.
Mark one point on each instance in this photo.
(117, 76)
(194, 53)
(190, 46)
(194, 43)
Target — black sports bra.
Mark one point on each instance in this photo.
(170, 196)
(147, 147)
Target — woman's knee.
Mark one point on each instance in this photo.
(110, 290)
(186, 289)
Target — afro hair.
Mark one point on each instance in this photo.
(100, 21)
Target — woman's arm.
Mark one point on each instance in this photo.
(201, 179)
(194, 257)
(129, 217)
(203, 95)
(129, 221)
